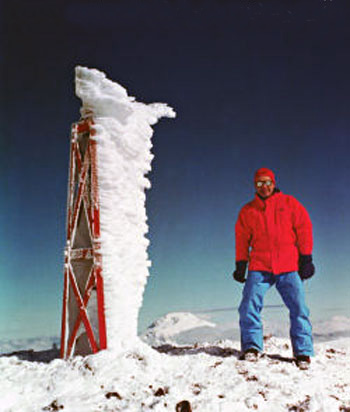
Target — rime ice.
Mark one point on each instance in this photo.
(123, 131)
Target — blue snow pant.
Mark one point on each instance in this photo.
(291, 289)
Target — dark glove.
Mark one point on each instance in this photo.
(239, 273)
(306, 267)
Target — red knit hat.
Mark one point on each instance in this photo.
(264, 171)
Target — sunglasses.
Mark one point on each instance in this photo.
(266, 182)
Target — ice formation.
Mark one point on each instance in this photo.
(123, 132)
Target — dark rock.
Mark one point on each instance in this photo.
(30, 355)
(183, 406)
(54, 406)
(161, 391)
(110, 395)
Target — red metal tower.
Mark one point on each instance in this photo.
(83, 316)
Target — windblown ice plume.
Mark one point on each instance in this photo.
(123, 132)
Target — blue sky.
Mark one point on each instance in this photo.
(253, 83)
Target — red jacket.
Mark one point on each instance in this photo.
(271, 233)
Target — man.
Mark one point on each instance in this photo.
(274, 234)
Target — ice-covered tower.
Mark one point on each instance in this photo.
(106, 261)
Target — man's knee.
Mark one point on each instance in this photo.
(250, 306)
(243, 309)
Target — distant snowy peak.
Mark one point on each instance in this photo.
(166, 328)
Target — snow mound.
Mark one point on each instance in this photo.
(123, 131)
(163, 330)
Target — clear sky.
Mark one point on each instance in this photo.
(253, 83)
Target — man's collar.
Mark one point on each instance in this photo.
(276, 190)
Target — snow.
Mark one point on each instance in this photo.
(209, 376)
(123, 132)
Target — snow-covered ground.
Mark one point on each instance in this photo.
(209, 376)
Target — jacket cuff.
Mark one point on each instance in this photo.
(241, 265)
(303, 259)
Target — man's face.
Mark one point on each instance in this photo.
(264, 186)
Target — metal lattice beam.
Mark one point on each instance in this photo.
(83, 274)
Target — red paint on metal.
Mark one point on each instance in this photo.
(83, 126)
(79, 198)
(83, 316)
(94, 185)
(89, 214)
(97, 222)
(82, 253)
(85, 198)
(71, 185)
(83, 305)
(77, 156)
(79, 163)
(64, 313)
(101, 309)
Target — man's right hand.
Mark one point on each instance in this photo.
(306, 267)
(239, 273)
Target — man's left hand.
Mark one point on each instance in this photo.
(306, 267)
